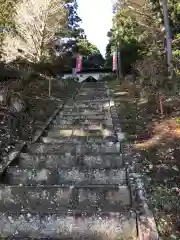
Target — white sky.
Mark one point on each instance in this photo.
(96, 18)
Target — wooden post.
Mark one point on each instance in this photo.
(161, 105)
(49, 87)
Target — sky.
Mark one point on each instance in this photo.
(96, 18)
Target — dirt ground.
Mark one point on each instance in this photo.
(156, 139)
(40, 107)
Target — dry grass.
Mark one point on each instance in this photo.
(164, 131)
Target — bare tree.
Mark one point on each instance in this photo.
(37, 24)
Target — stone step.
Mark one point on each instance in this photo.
(93, 89)
(90, 93)
(87, 104)
(66, 117)
(74, 139)
(57, 140)
(47, 161)
(81, 125)
(54, 161)
(49, 148)
(83, 111)
(86, 114)
(80, 139)
(93, 96)
(91, 105)
(86, 131)
(102, 161)
(55, 199)
(82, 108)
(94, 226)
(69, 122)
(72, 147)
(95, 85)
(16, 175)
(88, 101)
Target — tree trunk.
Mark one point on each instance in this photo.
(168, 35)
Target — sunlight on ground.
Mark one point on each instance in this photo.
(83, 94)
(95, 127)
(106, 105)
(142, 101)
(65, 132)
(106, 132)
(166, 130)
(121, 93)
(79, 132)
(98, 130)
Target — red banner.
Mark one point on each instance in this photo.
(114, 67)
(79, 64)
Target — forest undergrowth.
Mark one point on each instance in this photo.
(156, 140)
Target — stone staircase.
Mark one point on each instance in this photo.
(75, 182)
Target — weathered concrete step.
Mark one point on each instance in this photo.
(88, 104)
(50, 148)
(125, 99)
(57, 140)
(92, 106)
(83, 117)
(85, 131)
(16, 175)
(61, 199)
(47, 161)
(80, 108)
(74, 139)
(87, 113)
(90, 101)
(53, 161)
(102, 161)
(84, 111)
(75, 121)
(72, 147)
(69, 126)
(91, 93)
(94, 84)
(97, 100)
(95, 226)
(93, 89)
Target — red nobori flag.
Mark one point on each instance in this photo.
(79, 64)
(114, 67)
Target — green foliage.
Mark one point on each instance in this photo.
(7, 11)
(128, 34)
(73, 29)
(86, 48)
(129, 53)
(73, 41)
